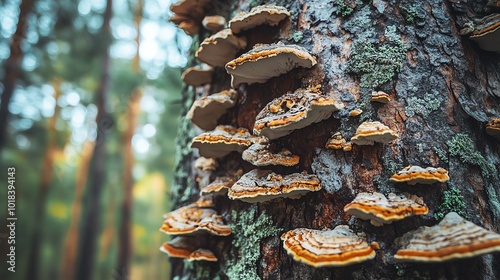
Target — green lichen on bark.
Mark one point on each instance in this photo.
(421, 106)
(377, 65)
(463, 147)
(248, 231)
(343, 9)
(297, 36)
(453, 201)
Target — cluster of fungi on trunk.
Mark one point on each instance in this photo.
(265, 140)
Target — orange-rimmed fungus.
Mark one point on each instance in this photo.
(264, 14)
(370, 132)
(221, 141)
(220, 48)
(185, 248)
(414, 174)
(205, 111)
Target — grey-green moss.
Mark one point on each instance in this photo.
(441, 154)
(453, 201)
(296, 36)
(411, 12)
(377, 65)
(342, 8)
(248, 231)
(463, 147)
(421, 106)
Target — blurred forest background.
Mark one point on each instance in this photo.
(89, 110)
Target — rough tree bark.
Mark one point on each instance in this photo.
(442, 95)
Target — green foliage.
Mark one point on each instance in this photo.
(421, 106)
(343, 9)
(296, 36)
(377, 65)
(248, 233)
(453, 201)
(462, 146)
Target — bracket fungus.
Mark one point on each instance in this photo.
(219, 186)
(370, 132)
(221, 141)
(185, 248)
(188, 14)
(186, 23)
(356, 112)
(264, 14)
(263, 185)
(206, 111)
(493, 127)
(293, 111)
(486, 33)
(220, 48)
(192, 220)
(206, 164)
(336, 142)
(260, 154)
(380, 97)
(414, 174)
(453, 238)
(213, 23)
(197, 76)
(264, 61)
(338, 247)
(381, 210)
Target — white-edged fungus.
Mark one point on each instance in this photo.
(370, 132)
(205, 111)
(220, 48)
(264, 14)
(414, 174)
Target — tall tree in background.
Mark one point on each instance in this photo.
(12, 67)
(444, 88)
(90, 222)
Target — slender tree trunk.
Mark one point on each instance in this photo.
(12, 68)
(90, 221)
(45, 181)
(445, 90)
(125, 242)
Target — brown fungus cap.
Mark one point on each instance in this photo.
(213, 23)
(220, 48)
(338, 247)
(381, 210)
(414, 174)
(293, 111)
(493, 127)
(261, 155)
(336, 142)
(487, 33)
(191, 8)
(206, 164)
(453, 238)
(263, 185)
(265, 14)
(219, 186)
(186, 248)
(356, 112)
(205, 111)
(266, 61)
(370, 132)
(380, 96)
(192, 220)
(197, 76)
(186, 23)
(221, 141)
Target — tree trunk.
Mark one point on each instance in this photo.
(90, 220)
(444, 91)
(12, 67)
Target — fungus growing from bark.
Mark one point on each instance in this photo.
(370, 132)
(197, 76)
(260, 154)
(219, 186)
(380, 96)
(221, 141)
(213, 23)
(338, 247)
(220, 48)
(193, 220)
(293, 111)
(264, 14)
(266, 61)
(205, 111)
(487, 33)
(263, 185)
(453, 238)
(355, 112)
(336, 142)
(413, 174)
(186, 248)
(206, 164)
(188, 14)
(186, 23)
(381, 210)
(493, 127)
(347, 147)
